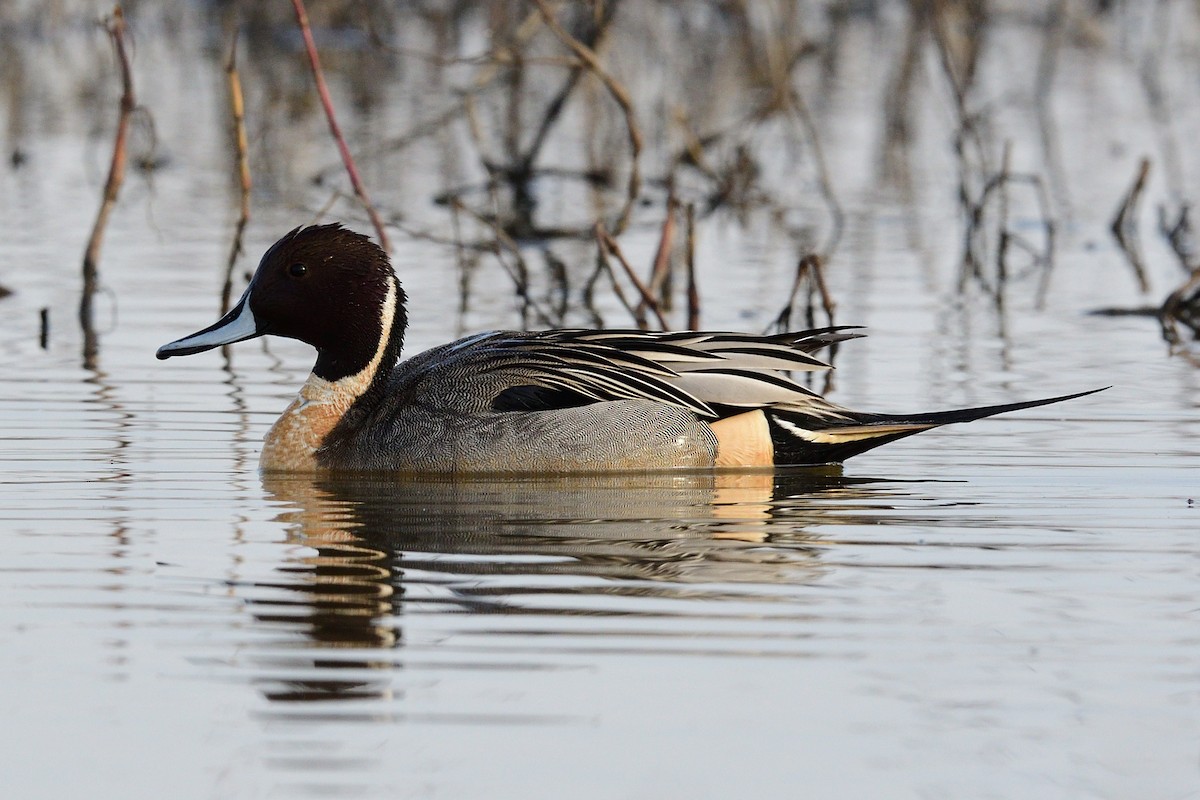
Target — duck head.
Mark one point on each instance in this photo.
(324, 285)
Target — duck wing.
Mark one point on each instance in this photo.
(711, 373)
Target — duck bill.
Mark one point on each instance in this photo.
(236, 326)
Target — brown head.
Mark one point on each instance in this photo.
(324, 285)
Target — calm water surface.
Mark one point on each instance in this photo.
(1007, 609)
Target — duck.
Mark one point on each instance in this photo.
(546, 402)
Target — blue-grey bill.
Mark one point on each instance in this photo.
(236, 326)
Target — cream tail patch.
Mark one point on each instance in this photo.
(293, 440)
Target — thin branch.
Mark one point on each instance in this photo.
(519, 274)
(1175, 307)
(611, 245)
(327, 103)
(693, 293)
(824, 181)
(604, 17)
(620, 95)
(661, 270)
(238, 108)
(603, 267)
(115, 26)
(809, 267)
(1124, 224)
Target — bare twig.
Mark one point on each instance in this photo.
(588, 56)
(661, 270)
(809, 126)
(613, 248)
(1053, 40)
(693, 293)
(1124, 225)
(327, 103)
(811, 270)
(589, 289)
(898, 102)
(1178, 308)
(1180, 235)
(603, 21)
(115, 26)
(1002, 245)
(983, 216)
(519, 273)
(238, 109)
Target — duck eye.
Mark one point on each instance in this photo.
(297, 270)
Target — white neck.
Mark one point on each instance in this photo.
(292, 442)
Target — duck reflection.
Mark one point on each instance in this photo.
(373, 546)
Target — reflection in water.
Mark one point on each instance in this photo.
(553, 547)
(415, 601)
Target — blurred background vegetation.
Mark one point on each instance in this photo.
(523, 132)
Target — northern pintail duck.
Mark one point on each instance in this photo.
(544, 401)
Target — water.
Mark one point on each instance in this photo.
(1006, 609)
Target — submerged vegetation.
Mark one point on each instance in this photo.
(543, 136)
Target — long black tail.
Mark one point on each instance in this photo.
(801, 438)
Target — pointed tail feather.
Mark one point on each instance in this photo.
(971, 414)
(803, 439)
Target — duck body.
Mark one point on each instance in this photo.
(557, 401)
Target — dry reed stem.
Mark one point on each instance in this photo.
(603, 267)
(241, 145)
(693, 293)
(824, 181)
(519, 274)
(1179, 235)
(898, 104)
(1183, 304)
(1053, 41)
(314, 60)
(608, 242)
(524, 32)
(1169, 315)
(605, 13)
(485, 78)
(809, 267)
(975, 250)
(588, 56)
(693, 151)
(1051, 238)
(1124, 224)
(1002, 246)
(661, 268)
(560, 286)
(958, 63)
(817, 268)
(115, 27)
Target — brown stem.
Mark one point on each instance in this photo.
(1124, 225)
(602, 266)
(327, 103)
(518, 273)
(588, 56)
(115, 26)
(824, 181)
(1003, 234)
(608, 242)
(662, 258)
(811, 267)
(238, 107)
(1169, 314)
(693, 293)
